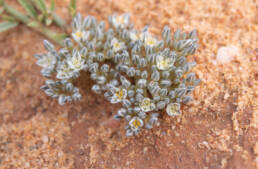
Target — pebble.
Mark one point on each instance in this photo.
(226, 54)
(45, 139)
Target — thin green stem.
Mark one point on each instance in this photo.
(35, 25)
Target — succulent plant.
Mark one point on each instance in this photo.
(132, 67)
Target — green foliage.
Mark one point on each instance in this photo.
(29, 8)
(4, 26)
(146, 75)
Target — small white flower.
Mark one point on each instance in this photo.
(164, 63)
(117, 45)
(136, 123)
(146, 105)
(121, 21)
(80, 35)
(47, 61)
(119, 94)
(134, 36)
(64, 71)
(76, 62)
(148, 39)
(173, 109)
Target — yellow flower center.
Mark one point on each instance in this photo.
(119, 94)
(146, 103)
(164, 63)
(117, 45)
(78, 34)
(136, 123)
(150, 41)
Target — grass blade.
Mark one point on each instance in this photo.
(52, 5)
(72, 8)
(41, 5)
(20, 16)
(4, 26)
(29, 8)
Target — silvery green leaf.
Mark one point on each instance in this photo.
(100, 57)
(61, 99)
(105, 68)
(135, 59)
(142, 83)
(144, 74)
(184, 43)
(193, 34)
(93, 76)
(137, 109)
(177, 34)
(163, 92)
(167, 100)
(127, 103)
(131, 72)
(190, 77)
(172, 94)
(87, 22)
(156, 98)
(93, 67)
(128, 117)
(46, 72)
(129, 133)
(117, 117)
(179, 73)
(187, 99)
(155, 90)
(49, 92)
(139, 90)
(165, 74)
(155, 76)
(180, 92)
(121, 112)
(142, 115)
(139, 97)
(69, 87)
(130, 93)
(197, 82)
(48, 46)
(161, 105)
(166, 32)
(165, 83)
(126, 83)
(101, 80)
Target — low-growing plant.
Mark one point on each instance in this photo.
(146, 75)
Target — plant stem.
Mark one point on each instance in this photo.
(58, 38)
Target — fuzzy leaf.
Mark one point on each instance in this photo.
(29, 8)
(41, 5)
(52, 6)
(8, 18)
(4, 26)
(72, 8)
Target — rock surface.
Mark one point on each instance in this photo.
(216, 130)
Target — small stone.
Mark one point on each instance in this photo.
(226, 54)
(45, 139)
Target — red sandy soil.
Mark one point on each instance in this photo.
(217, 130)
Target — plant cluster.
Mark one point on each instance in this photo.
(131, 67)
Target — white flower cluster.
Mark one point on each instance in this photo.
(131, 67)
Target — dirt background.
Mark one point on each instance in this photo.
(217, 130)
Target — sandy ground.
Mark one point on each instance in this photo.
(217, 130)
